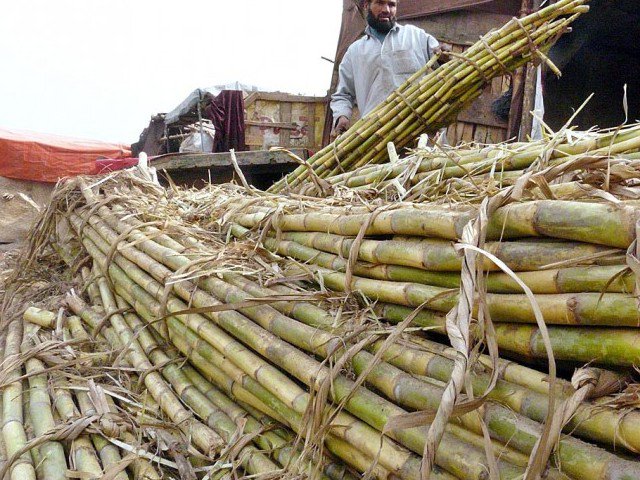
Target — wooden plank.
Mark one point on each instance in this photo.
(181, 161)
(451, 133)
(496, 86)
(311, 126)
(250, 99)
(496, 135)
(281, 125)
(286, 97)
(467, 132)
(285, 117)
(480, 135)
(459, 132)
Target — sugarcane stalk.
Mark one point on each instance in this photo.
(40, 317)
(440, 255)
(291, 394)
(34, 451)
(598, 278)
(591, 421)
(296, 396)
(282, 327)
(54, 465)
(82, 451)
(280, 449)
(403, 390)
(600, 224)
(13, 431)
(502, 158)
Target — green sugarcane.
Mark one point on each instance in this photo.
(203, 436)
(592, 422)
(40, 317)
(599, 424)
(54, 465)
(614, 278)
(108, 453)
(281, 326)
(251, 459)
(355, 431)
(13, 431)
(244, 330)
(600, 224)
(195, 300)
(280, 448)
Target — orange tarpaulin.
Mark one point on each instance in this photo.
(48, 158)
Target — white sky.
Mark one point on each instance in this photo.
(100, 69)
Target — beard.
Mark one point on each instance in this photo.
(382, 26)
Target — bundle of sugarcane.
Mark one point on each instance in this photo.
(431, 98)
(432, 172)
(289, 359)
(576, 267)
(112, 429)
(59, 418)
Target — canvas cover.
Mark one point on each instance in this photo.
(190, 103)
(48, 158)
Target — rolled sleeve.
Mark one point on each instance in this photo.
(430, 44)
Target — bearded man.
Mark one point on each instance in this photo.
(379, 62)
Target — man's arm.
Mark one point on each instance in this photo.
(344, 98)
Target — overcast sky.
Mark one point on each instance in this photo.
(99, 69)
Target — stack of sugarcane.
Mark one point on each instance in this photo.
(342, 382)
(105, 397)
(431, 98)
(571, 255)
(469, 172)
(59, 418)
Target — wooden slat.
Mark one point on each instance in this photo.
(285, 97)
(311, 126)
(285, 117)
(480, 135)
(467, 132)
(284, 125)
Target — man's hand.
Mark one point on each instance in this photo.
(444, 50)
(342, 125)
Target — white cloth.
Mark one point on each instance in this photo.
(370, 70)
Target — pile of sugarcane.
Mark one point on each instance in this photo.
(572, 255)
(431, 98)
(92, 392)
(226, 339)
(467, 172)
(68, 407)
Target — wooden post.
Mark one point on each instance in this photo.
(200, 121)
(528, 102)
(520, 80)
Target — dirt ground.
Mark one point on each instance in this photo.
(20, 203)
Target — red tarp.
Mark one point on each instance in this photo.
(48, 158)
